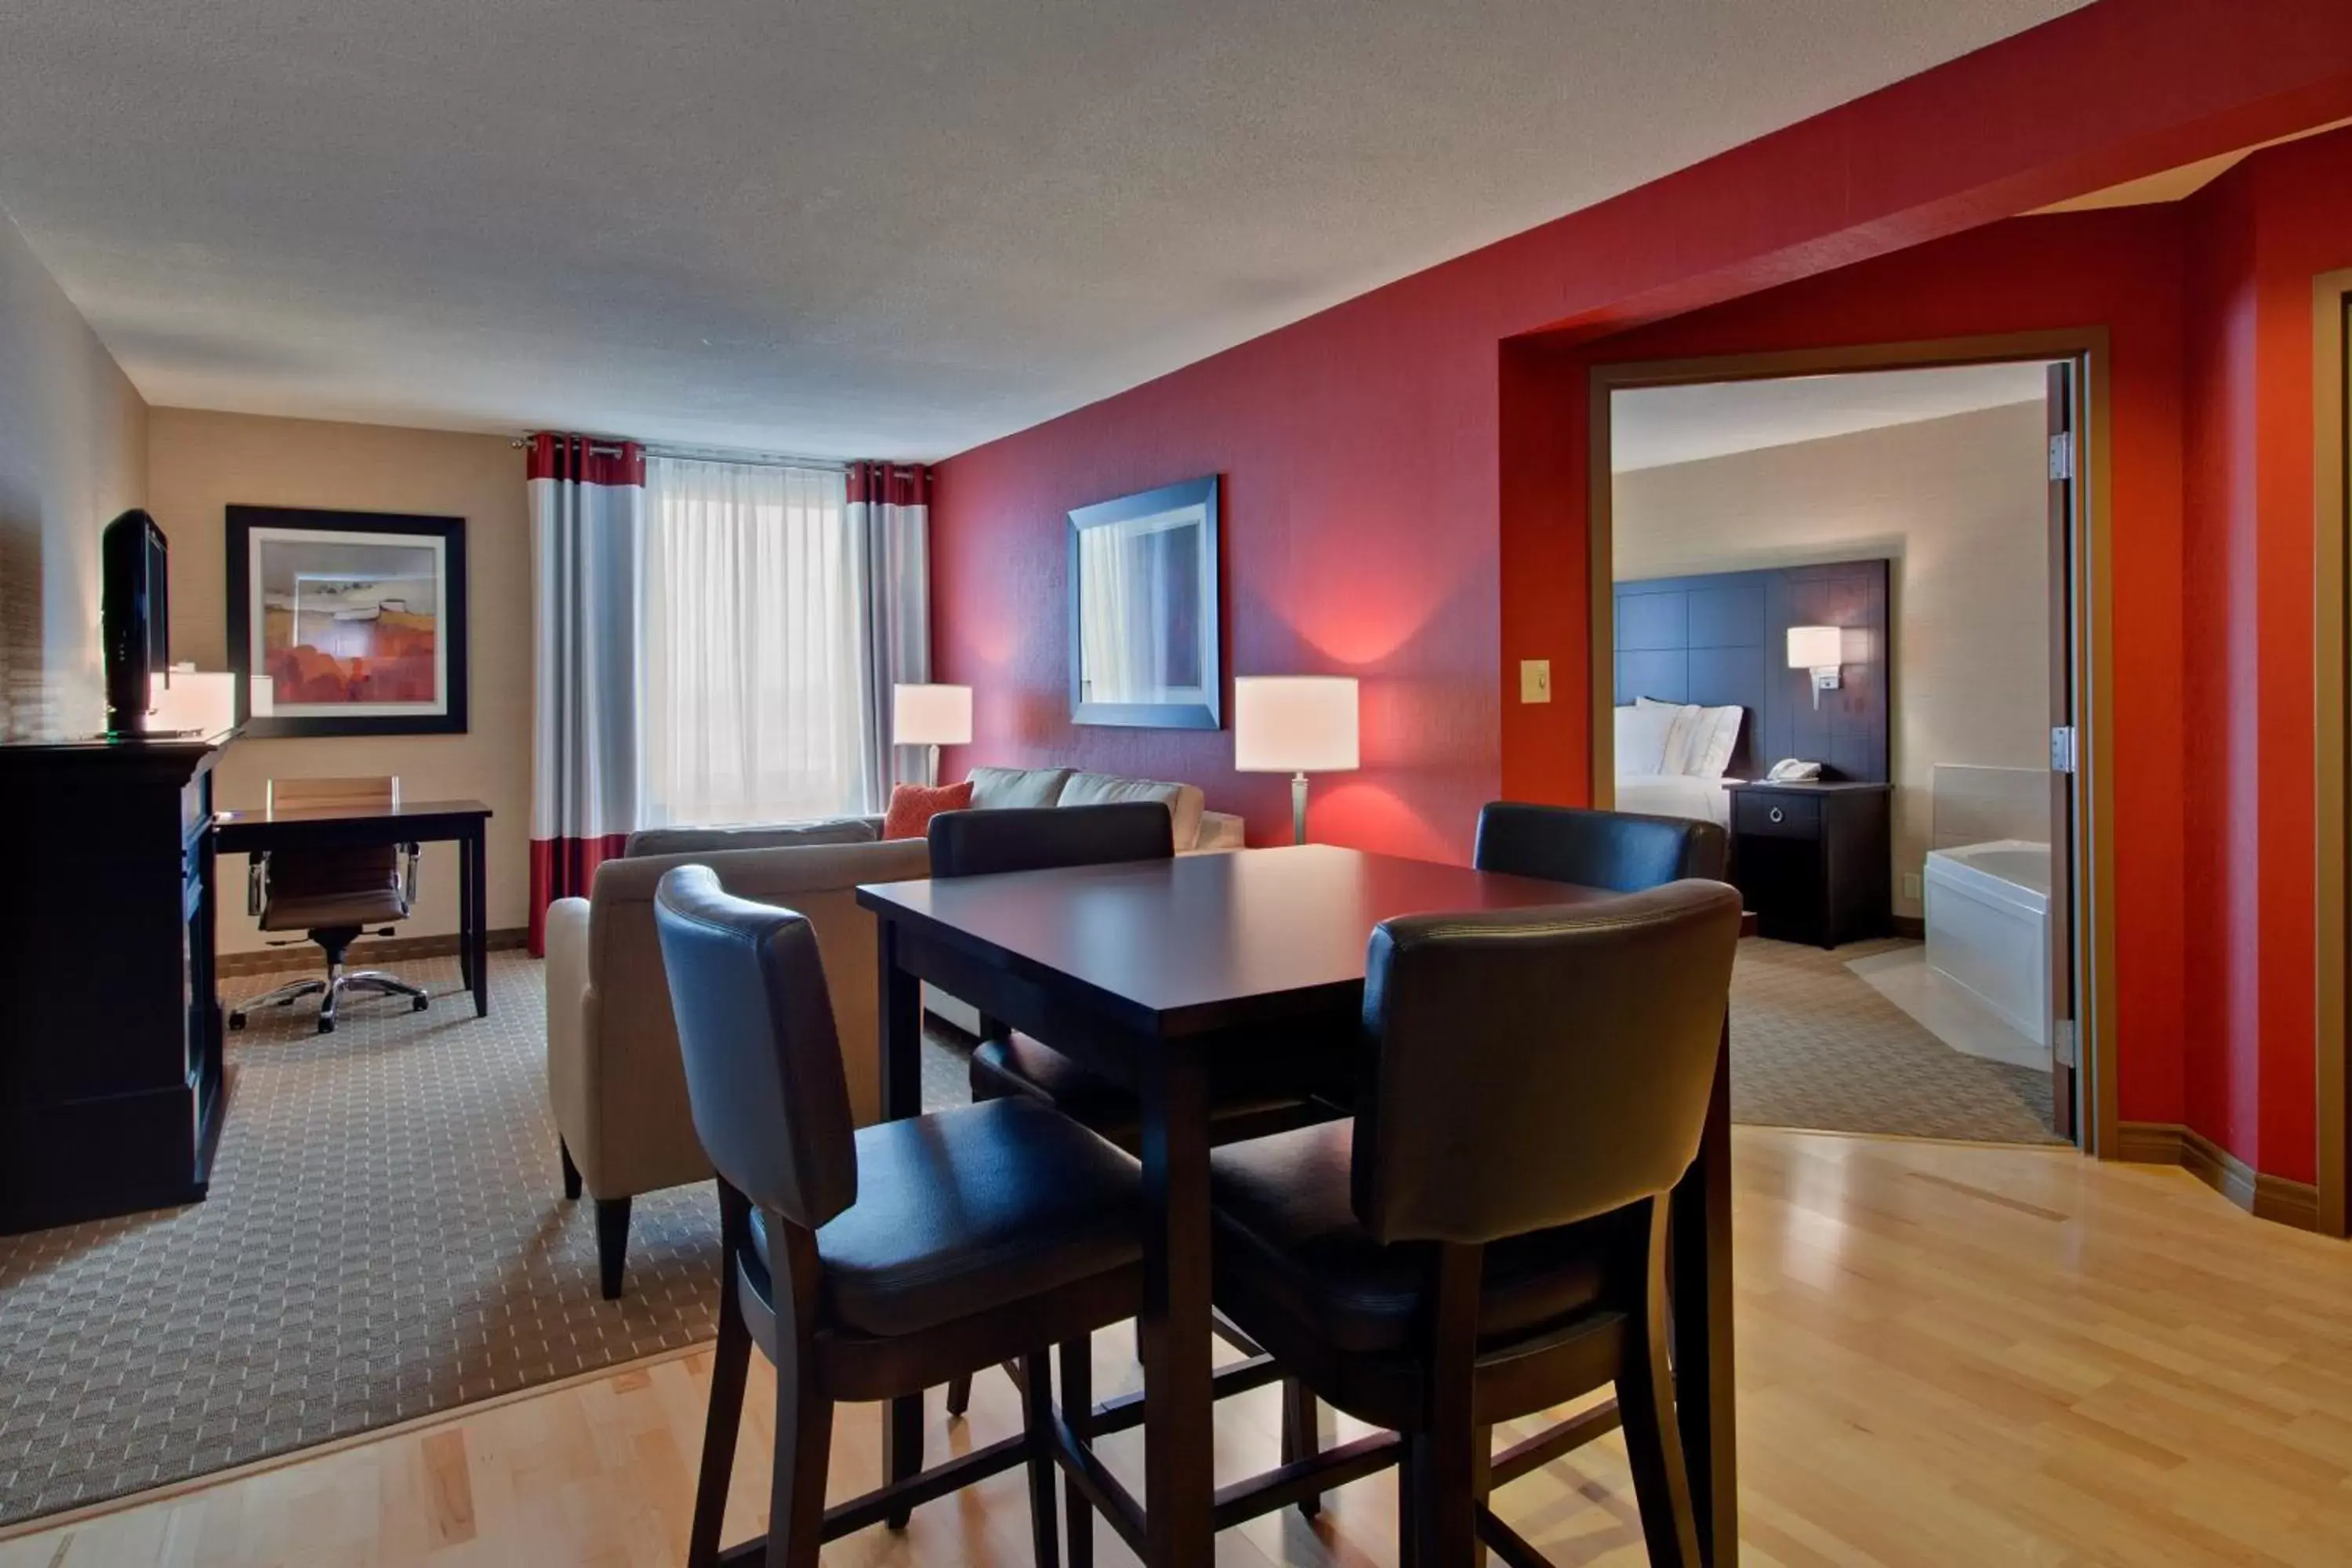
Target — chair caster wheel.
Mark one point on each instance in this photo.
(419, 1005)
(236, 1020)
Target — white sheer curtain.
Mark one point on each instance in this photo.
(753, 674)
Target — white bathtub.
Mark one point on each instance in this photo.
(1989, 928)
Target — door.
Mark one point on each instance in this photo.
(2063, 403)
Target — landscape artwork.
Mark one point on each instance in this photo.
(347, 623)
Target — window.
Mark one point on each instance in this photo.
(753, 688)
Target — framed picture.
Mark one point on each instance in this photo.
(1143, 610)
(347, 623)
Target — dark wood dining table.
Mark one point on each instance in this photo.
(1144, 972)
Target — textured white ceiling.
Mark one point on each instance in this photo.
(1654, 426)
(835, 226)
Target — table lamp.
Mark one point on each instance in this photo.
(931, 716)
(1294, 724)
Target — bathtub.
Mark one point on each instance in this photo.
(1989, 928)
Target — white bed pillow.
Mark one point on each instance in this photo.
(1712, 740)
(1642, 740)
(1678, 755)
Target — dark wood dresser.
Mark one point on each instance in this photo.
(111, 1081)
(1814, 860)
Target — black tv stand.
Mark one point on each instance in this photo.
(112, 1084)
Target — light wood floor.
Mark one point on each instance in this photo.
(1949, 1354)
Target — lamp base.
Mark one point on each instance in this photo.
(1299, 808)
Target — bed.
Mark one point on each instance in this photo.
(1672, 795)
(1675, 759)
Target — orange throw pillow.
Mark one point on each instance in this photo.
(912, 806)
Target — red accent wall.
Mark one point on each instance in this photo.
(1360, 448)
(1404, 481)
(2256, 239)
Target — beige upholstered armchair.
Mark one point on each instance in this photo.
(613, 1074)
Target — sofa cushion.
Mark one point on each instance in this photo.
(759, 835)
(1001, 789)
(912, 806)
(1183, 802)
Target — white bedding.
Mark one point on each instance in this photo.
(1675, 795)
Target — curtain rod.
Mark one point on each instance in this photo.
(607, 447)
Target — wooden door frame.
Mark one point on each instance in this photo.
(2094, 615)
(2331, 300)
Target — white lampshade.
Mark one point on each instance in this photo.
(1816, 648)
(1294, 723)
(191, 701)
(931, 715)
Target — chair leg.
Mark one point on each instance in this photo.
(958, 1394)
(1438, 1493)
(1037, 1410)
(803, 1446)
(1645, 1399)
(1302, 1434)
(570, 1171)
(731, 1364)
(612, 1244)
(1078, 1415)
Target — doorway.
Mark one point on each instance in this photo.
(1810, 553)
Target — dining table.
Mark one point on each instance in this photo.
(1145, 971)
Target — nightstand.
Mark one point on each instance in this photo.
(1814, 860)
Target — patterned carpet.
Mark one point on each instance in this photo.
(385, 1237)
(1815, 1046)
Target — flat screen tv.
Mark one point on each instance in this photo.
(134, 616)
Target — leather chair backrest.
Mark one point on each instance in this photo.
(1614, 849)
(763, 1073)
(1038, 838)
(1538, 1067)
(310, 874)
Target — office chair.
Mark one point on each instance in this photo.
(334, 896)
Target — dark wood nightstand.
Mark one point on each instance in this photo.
(1814, 860)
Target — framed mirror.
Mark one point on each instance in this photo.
(1143, 610)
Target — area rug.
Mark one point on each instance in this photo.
(385, 1237)
(1813, 1044)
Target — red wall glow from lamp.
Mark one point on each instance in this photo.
(1294, 724)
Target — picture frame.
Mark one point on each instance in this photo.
(347, 623)
(1145, 629)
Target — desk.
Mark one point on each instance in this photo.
(1144, 972)
(465, 822)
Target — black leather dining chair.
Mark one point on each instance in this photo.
(1487, 1239)
(1620, 850)
(1623, 851)
(871, 1263)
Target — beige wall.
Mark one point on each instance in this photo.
(73, 453)
(199, 464)
(1959, 504)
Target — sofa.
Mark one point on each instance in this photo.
(614, 1080)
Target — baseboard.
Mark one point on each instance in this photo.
(383, 950)
(2263, 1195)
(1912, 927)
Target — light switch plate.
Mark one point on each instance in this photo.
(1535, 681)
(1911, 888)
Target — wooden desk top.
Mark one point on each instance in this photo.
(1201, 941)
(406, 808)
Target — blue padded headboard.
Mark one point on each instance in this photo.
(1723, 639)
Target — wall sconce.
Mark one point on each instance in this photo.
(1820, 649)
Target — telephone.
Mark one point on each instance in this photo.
(1792, 771)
